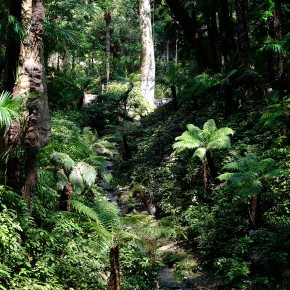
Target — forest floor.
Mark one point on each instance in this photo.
(167, 280)
(167, 276)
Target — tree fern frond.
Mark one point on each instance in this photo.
(77, 181)
(61, 179)
(210, 125)
(226, 176)
(272, 45)
(225, 131)
(108, 213)
(193, 129)
(222, 142)
(133, 219)
(188, 140)
(200, 153)
(63, 160)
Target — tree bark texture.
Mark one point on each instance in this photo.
(108, 19)
(66, 196)
(255, 210)
(147, 53)
(31, 83)
(114, 280)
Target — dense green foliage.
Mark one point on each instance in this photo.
(222, 79)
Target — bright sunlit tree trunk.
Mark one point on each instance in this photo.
(147, 53)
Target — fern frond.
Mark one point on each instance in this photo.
(108, 213)
(61, 179)
(8, 108)
(222, 132)
(92, 215)
(210, 125)
(222, 142)
(187, 140)
(63, 160)
(226, 176)
(200, 153)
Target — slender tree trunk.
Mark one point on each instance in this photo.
(108, 19)
(174, 98)
(114, 280)
(226, 31)
(66, 196)
(242, 32)
(147, 53)
(211, 165)
(204, 175)
(255, 210)
(278, 34)
(213, 37)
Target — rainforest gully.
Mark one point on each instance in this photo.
(144, 144)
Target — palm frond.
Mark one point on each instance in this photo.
(8, 108)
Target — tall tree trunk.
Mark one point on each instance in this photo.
(31, 82)
(226, 31)
(242, 32)
(278, 34)
(213, 37)
(114, 280)
(147, 53)
(108, 19)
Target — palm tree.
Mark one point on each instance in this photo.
(204, 141)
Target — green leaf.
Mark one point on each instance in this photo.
(200, 153)
(210, 125)
(8, 108)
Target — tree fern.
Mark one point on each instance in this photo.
(204, 140)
